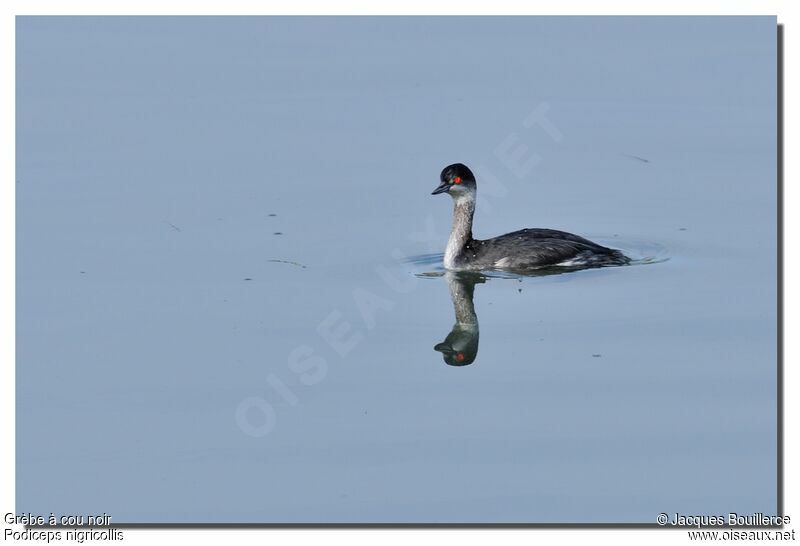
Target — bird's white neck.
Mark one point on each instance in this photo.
(461, 233)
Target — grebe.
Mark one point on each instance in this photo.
(530, 248)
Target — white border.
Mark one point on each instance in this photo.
(787, 13)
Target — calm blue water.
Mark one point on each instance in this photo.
(229, 293)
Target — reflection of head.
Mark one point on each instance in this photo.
(460, 347)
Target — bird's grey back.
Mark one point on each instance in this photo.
(534, 247)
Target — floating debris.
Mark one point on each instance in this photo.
(682, 229)
(278, 233)
(271, 214)
(286, 262)
(637, 158)
(248, 279)
(173, 226)
(597, 355)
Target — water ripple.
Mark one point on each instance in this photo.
(641, 253)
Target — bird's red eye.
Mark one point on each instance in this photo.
(457, 180)
(460, 356)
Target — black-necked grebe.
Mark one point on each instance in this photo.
(531, 248)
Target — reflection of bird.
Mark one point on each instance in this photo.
(520, 250)
(460, 347)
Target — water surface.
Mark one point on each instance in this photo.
(225, 312)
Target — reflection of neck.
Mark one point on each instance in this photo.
(461, 234)
(461, 293)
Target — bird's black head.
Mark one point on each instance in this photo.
(456, 179)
